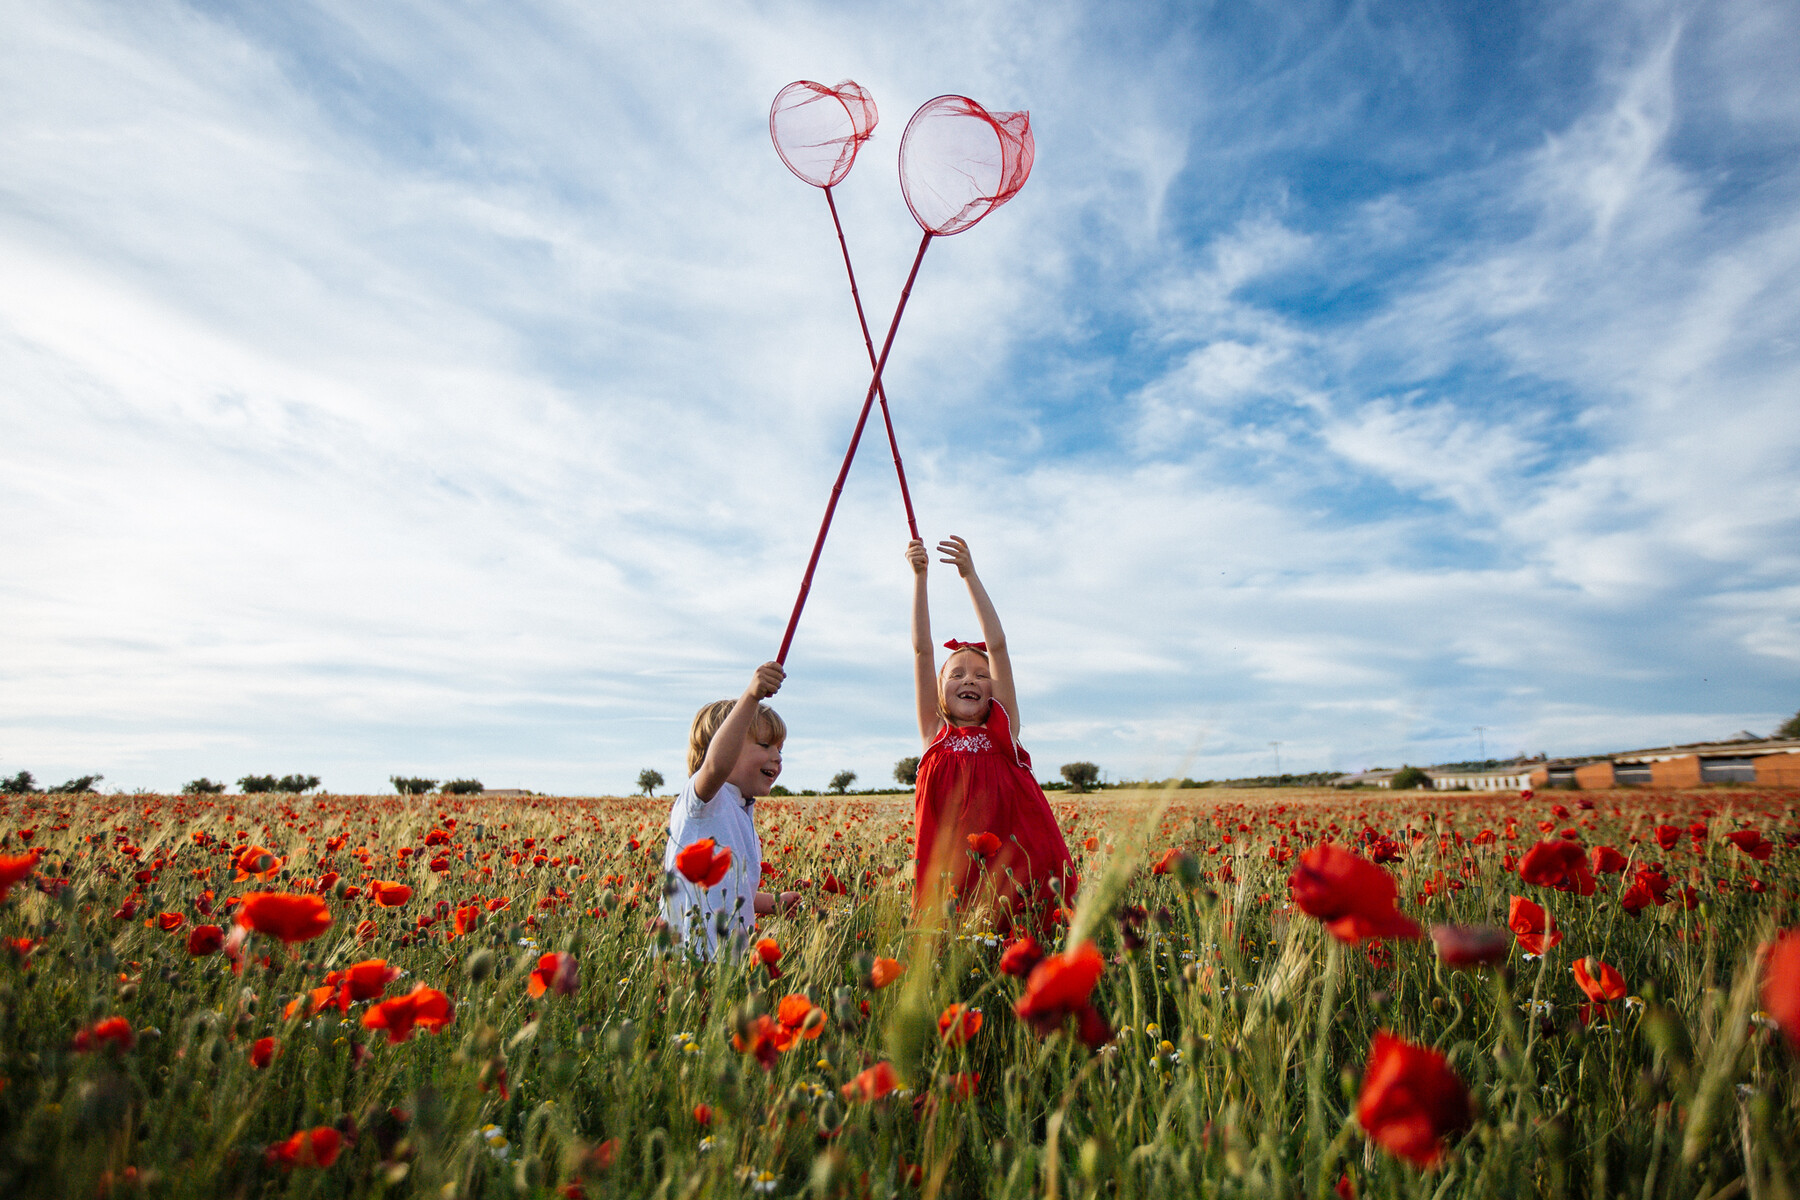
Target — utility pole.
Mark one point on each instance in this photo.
(1481, 733)
(1277, 746)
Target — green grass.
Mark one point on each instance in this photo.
(1246, 1087)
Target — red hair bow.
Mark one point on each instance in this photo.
(953, 646)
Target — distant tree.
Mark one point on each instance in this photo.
(649, 780)
(18, 785)
(296, 783)
(1791, 729)
(1081, 775)
(778, 790)
(252, 784)
(81, 783)
(906, 771)
(462, 787)
(202, 787)
(408, 785)
(842, 781)
(1409, 777)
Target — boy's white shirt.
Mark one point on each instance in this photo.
(731, 824)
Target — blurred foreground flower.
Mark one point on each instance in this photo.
(285, 915)
(872, 1084)
(424, 1006)
(14, 868)
(1411, 1100)
(113, 1032)
(1781, 985)
(703, 864)
(884, 972)
(1060, 987)
(317, 1147)
(1352, 896)
(1470, 945)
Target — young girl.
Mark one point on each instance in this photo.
(974, 778)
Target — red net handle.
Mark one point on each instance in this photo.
(837, 487)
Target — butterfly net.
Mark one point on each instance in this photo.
(959, 162)
(817, 130)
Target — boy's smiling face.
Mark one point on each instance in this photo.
(758, 765)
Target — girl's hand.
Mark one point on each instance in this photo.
(767, 680)
(916, 555)
(955, 550)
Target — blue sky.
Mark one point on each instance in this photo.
(453, 389)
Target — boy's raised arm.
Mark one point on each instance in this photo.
(728, 742)
(924, 654)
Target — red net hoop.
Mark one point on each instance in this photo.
(817, 130)
(959, 162)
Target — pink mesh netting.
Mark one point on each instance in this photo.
(959, 162)
(817, 130)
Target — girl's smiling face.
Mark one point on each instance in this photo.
(965, 688)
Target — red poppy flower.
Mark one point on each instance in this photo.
(468, 919)
(768, 952)
(253, 862)
(831, 886)
(285, 915)
(795, 1012)
(205, 939)
(14, 868)
(1781, 985)
(1091, 844)
(1751, 842)
(1351, 895)
(262, 1053)
(1411, 1100)
(169, 922)
(703, 1115)
(1559, 864)
(1599, 980)
(1166, 863)
(765, 1039)
(984, 843)
(1470, 945)
(365, 980)
(1607, 861)
(1667, 836)
(1060, 987)
(1531, 925)
(884, 972)
(702, 863)
(555, 971)
(424, 1006)
(958, 1023)
(388, 894)
(317, 1147)
(1019, 957)
(961, 1085)
(872, 1084)
(114, 1032)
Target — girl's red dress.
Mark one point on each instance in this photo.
(974, 780)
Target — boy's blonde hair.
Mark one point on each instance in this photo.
(765, 725)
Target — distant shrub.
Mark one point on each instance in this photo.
(778, 790)
(649, 780)
(842, 780)
(906, 771)
(408, 785)
(202, 787)
(462, 787)
(81, 783)
(252, 784)
(1081, 775)
(296, 783)
(1790, 728)
(1409, 777)
(18, 785)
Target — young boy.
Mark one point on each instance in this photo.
(734, 757)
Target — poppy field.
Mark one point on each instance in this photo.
(1260, 994)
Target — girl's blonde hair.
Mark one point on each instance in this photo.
(944, 713)
(766, 725)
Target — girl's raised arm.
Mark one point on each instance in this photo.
(955, 550)
(924, 654)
